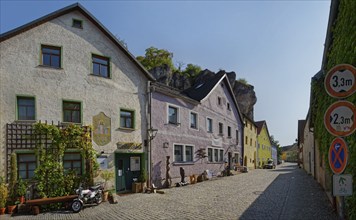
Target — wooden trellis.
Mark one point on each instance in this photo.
(20, 136)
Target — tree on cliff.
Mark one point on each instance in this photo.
(155, 57)
(191, 70)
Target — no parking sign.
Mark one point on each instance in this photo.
(338, 155)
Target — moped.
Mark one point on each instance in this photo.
(87, 196)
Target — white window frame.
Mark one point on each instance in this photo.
(207, 125)
(197, 120)
(178, 114)
(214, 149)
(184, 153)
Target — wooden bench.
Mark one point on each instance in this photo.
(35, 203)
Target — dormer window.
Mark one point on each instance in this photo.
(77, 23)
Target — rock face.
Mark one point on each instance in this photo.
(245, 97)
(244, 93)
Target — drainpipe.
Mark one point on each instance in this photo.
(149, 140)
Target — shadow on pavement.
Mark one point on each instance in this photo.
(293, 195)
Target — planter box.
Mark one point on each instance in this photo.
(136, 187)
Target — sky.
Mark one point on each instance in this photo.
(277, 46)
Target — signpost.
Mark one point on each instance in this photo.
(340, 81)
(339, 118)
(342, 185)
(338, 155)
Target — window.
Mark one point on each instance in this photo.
(26, 164)
(228, 107)
(210, 154)
(251, 126)
(126, 119)
(183, 153)
(221, 128)
(73, 161)
(209, 125)
(215, 154)
(72, 112)
(251, 141)
(228, 131)
(172, 115)
(193, 120)
(237, 137)
(221, 158)
(26, 108)
(51, 56)
(101, 66)
(178, 153)
(77, 23)
(246, 140)
(189, 153)
(219, 101)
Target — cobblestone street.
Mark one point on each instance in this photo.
(284, 193)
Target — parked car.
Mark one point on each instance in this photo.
(270, 165)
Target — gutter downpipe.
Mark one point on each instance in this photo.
(149, 139)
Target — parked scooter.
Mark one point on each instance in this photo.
(87, 196)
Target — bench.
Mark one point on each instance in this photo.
(35, 203)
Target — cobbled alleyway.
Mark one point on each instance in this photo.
(284, 193)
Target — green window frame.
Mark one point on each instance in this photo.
(27, 164)
(101, 66)
(127, 118)
(72, 111)
(51, 56)
(26, 108)
(73, 161)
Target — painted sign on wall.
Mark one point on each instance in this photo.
(101, 129)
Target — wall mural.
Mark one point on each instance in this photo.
(101, 129)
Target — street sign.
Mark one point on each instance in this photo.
(340, 81)
(338, 155)
(342, 185)
(339, 118)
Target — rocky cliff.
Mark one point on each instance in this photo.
(244, 93)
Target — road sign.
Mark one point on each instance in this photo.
(338, 155)
(340, 81)
(339, 118)
(342, 185)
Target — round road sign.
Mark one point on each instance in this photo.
(339, 118)
(338, 155)
(340, 81)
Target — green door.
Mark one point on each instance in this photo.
(124, 172)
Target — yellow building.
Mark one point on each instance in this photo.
(264, 146)
(250, 143)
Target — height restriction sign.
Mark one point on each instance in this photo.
(340, 81)
(338, 155)
(339, 118)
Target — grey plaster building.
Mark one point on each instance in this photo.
(67, 67)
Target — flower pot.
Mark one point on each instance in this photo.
(10, 209)
(22, 199)
(2, 211)
(105, 196)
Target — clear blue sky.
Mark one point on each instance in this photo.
(277, 46)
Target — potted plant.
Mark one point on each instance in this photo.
(21, 190)
(12, 184)
(143, 179)
(3, 196)
(106, 175)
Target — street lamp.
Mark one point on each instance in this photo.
(152, 132)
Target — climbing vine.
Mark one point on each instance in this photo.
(342, 50)
(51, 178)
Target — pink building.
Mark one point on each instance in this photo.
(203, 118)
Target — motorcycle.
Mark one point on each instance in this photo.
(87, 196)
